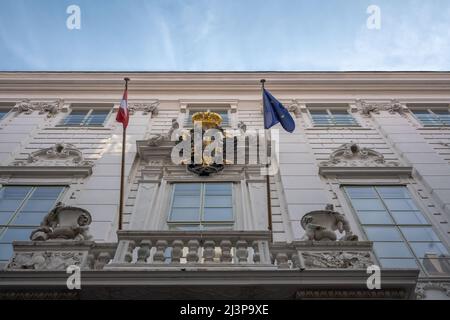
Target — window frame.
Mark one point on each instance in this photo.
(89, 111)
(9, 224)
(397, 226)
(6, 110)
(331, 115)
(430, 111)
(201, 223)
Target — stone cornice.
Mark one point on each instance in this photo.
(224, 81)
(46, 171)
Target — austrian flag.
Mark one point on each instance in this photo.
(122, 114)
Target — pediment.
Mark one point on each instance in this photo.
(351, 158)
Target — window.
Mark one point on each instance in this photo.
(201, 206)
(433, 117)
(402, 237)
(86, 117)
(332, 118)
(222, 112)
(22, 209)
(3, 113)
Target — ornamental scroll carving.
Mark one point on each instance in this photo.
(394, 106)
(352, 155)
(145, 107)
(157, 139)
(51, 108)
(61, 154)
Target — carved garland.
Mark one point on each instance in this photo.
(145, 107)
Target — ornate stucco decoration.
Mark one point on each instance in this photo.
(422, 288)
(366, 108)
(145, 107)
(61, 154)
(320, 225)
(294, 107)
(64, 223)
(51, 108)
(352, 155)
(242, 127)
(337, 260)
(395, 106)
(45, 260)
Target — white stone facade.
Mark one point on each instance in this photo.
(397, 150)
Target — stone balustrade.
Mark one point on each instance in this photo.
(162, 249)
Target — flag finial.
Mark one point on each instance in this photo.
(262, 82)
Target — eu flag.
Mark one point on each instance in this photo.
(275, 112)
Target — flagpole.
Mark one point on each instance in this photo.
(122, 169)
(269, 200)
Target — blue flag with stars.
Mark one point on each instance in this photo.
(275, 112)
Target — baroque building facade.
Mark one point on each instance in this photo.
(363, 181)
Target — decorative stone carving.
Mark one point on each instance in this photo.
(367, 108)
(62, 154)
(422, 287)
(145, 107)
(27, 107)
(64, 223)
(295, 108)
(352, 155)
(337, 260)
(321, 225)
(156, 140)
(395, 106)
(45, 260)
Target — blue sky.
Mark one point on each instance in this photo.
(229, 35)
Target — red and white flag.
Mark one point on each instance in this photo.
(123, 115)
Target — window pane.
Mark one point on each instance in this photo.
(47, 193)
(96, 117)
(5, 217)
(374, 217)
(419, 234)
(218, 188)
(391, 250)
(14, 192)
(383, 234)
(10, 205)
(367, 204)
(187, 189)
(436, 266)
(38, 205)
(422, 249)
(6, 251)
(218, 214)
(185, 214)
(409, 217)
(76, 117)
(29, 218)
(12, 234)
(361, 192)
(400, 204)
(393, 192)
(2, 114)
(399, 263)
(218, 201)
(186, 202)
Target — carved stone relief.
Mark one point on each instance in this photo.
(352, 155)
(366, 108)
(157, 139)
(51, 108)
(145, 107)
(337, 259)
(422, 288)
(45, 260)
(61, 154)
